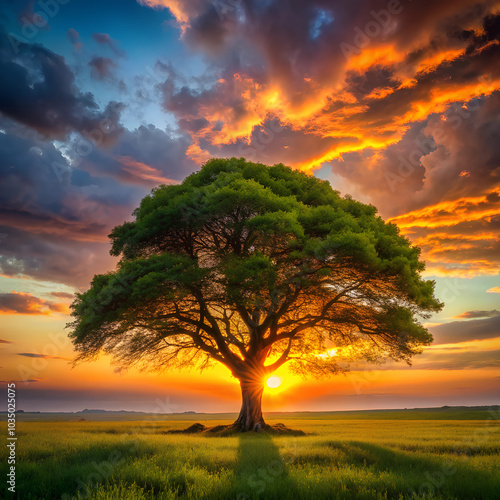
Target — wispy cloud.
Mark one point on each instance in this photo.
(28, 381)
(105, 39)
(435, 360)
(63, 295)
(464, 331)
(43, 356)
(479, 314)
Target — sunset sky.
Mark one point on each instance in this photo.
(394, 102)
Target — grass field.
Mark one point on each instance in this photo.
(448, 454)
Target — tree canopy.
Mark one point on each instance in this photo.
(255, 266)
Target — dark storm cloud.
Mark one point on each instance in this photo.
(38, 89)
(390, 173)
(145, 157)
(41, 192)
(289, 50)
(55, 213)
(363, 84)
(55, 217)
(465, 331)
(53, 258)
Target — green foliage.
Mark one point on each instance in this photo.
(242, 258)
(248, 277)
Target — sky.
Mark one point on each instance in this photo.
(396, 103)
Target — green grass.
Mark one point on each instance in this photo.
(391, 457)
(443, 413)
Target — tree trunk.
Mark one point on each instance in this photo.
(250, 418)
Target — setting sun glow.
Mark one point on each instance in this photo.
(328, 354)
(273, 382)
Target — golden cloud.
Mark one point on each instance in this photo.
(26, 303)
(459, 237)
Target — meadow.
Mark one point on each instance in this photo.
(445, 454)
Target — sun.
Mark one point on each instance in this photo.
(273, 382)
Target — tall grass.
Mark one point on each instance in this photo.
(359, 459)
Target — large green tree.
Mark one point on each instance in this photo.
(254, 266)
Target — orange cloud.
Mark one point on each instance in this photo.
(141, 171)
(445, 93)
(241, 103)
(197, 154)
(350, 121)
(382, 55)
(478, 314)
(433, 61)
(457, 237)
(176, 7)
(449, 213)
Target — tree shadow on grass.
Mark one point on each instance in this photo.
(261, 471)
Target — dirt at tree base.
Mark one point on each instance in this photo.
(192, 429)
(231, 429)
